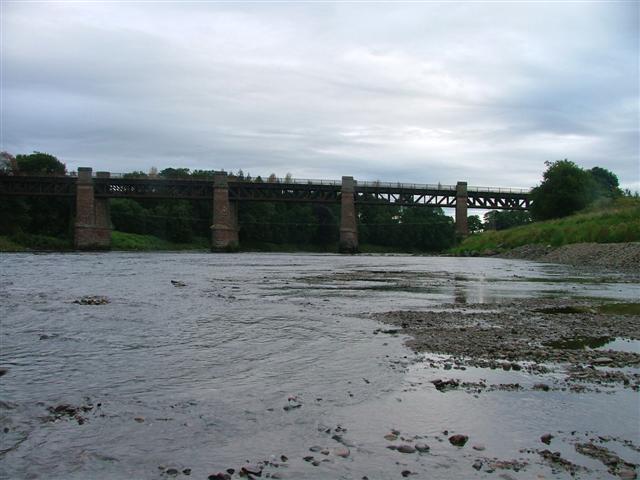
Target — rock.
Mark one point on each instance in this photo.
(219, 476)
(92, 300)
(315, 448)
(139, 419)
(477, 464)
(546, 438)
(284, 458)
(391, 437)
(458, 440)
(627, 474)
(541, 386)
(602, 361)
(252, 468)
(479, 447)
(177, 283)
(422, 447)
(308, 458)
(405, 473)
(187, 471)
(406, 449)
(171, 471)
(3, 371)
(444, 385)
(342, 452)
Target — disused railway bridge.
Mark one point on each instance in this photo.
(92, 192)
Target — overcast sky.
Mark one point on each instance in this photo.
(414, 92)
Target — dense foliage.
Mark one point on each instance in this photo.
(566, 188)
(35, 215)
(618, 221)
(503, 219)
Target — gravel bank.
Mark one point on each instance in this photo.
(539, 332)
(619, 256)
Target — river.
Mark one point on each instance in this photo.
(184, 380)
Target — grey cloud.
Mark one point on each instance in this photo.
(411, 92)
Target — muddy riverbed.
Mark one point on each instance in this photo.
(159, 366)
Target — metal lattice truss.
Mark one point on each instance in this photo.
(37, 186)
(284, 192)
(310, 192)
(405, 196)
(145, 188)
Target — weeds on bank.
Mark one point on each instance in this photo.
(615, 223)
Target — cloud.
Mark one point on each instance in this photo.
(409, 92)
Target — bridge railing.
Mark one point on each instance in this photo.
(408, 186)
(301, 181)
(498, 190)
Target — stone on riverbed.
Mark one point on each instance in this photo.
(406, 449)
(458, 440)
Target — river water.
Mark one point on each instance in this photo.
(197, 376)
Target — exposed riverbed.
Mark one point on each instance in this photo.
(158, 366)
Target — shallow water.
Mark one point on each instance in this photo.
(210, 366)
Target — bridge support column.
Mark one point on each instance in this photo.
(93, 222)
(348, 219)
(224, 231)
(462, 228)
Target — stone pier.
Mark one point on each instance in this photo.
(462, 195)
(348, 219)
(93, 220)
(224, 231)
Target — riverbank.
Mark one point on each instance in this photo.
(617, 223)
(133, 242)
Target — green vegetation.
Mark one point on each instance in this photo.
(20, 242)
(620, 308)
(618, 221)
(566, 188)
(137, 242)
(8, 245)
(47, 223)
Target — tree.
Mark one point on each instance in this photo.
(40, 163)
(500, 220)
(474, 223)
(606, 182)
(565, 189)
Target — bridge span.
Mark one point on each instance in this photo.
(93, 191)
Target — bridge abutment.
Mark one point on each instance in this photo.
(462, 227)
(224, 231)
(93, 220)
(348, 219)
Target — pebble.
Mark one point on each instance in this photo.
(602, 360)
(406, 449)
(219, 476)
(479, 447)
(171, 471)
(405, 473)
(458, 440)
(477, 464)
(546, 438)
(252, 468)
(422, 447)
(342, 452)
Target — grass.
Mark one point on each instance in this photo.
(614, 223)
(22, 242)
(8, 245)
(136, 242)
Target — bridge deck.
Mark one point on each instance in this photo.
(280, 190)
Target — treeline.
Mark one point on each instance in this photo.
(261, 224)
